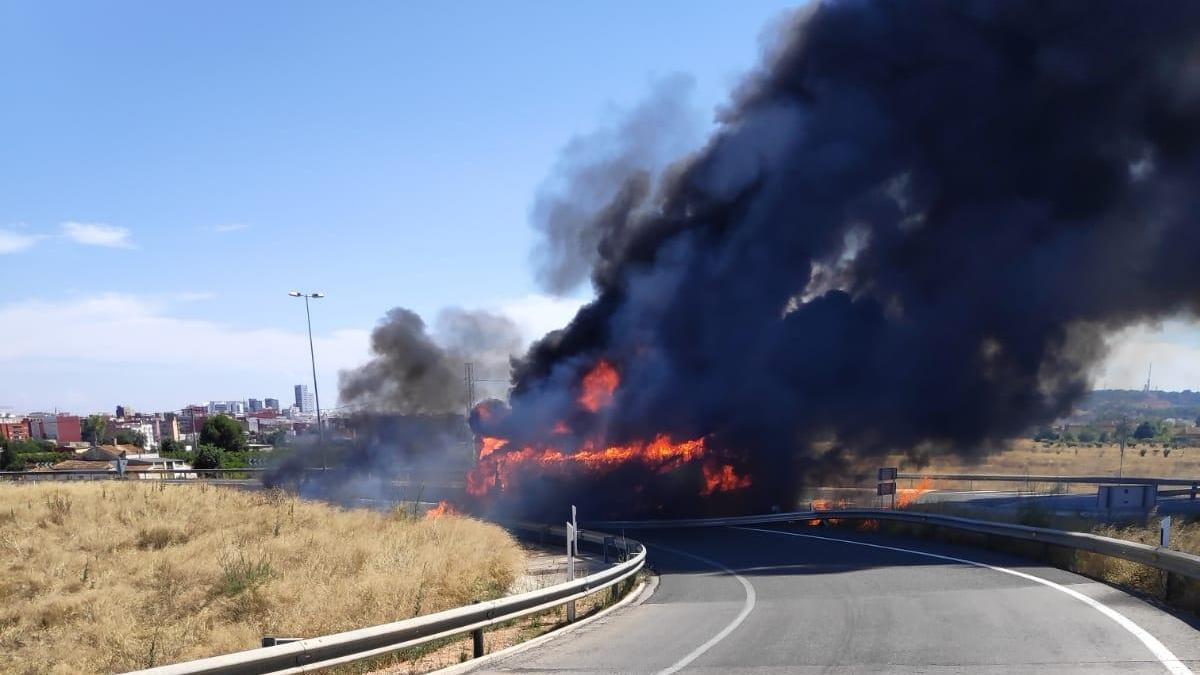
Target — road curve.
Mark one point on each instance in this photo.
(817, 600)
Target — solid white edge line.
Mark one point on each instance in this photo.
(1160, 651)
(747, 607)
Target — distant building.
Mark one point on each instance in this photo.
(124, 411)
(191, 419)
(168, 427)
(146, 429)
(304, 399)
(42, 425)
(272, 403)
(67, 429)
(14, 428)
(254, 405)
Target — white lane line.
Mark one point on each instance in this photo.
(747, 607)
(1160, 651)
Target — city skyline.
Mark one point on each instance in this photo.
(193, 224)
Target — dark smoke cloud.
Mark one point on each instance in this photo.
(409, 407)
(600, 178)
(911, 232)
(414, 372)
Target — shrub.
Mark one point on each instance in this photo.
(239, 573)
(207, 457)
(158, 537)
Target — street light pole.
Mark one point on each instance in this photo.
(313, 357)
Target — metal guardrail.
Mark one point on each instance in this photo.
(38, 475)
(1030, 478)
(1175, 562)
(314, 654)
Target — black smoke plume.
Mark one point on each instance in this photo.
(414, 372)
(911, 232)
(408, 407)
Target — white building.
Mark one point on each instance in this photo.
(305, 400)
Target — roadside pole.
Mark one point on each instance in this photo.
(571, 543)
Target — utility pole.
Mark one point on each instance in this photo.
(313, 357)
(1124, 430)
(470, 439)
(470, 388)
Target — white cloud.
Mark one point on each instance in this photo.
(229, 227)
(94, 351)
(12, 241)
(90, 352)
(538, 314)
(98, 234)
(1173, 348)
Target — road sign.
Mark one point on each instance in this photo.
(886, 489)
(887, 474)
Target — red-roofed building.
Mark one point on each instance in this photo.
(14, 429)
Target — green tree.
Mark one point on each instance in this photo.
(95, 429)
(207, 457)
(9, 459)
(1145, 430)
(1087, 435)
(130, 437)
(1046, 434)
(171, 448)
(224, 432)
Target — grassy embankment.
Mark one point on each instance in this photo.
(1030, 457)
(108, 577)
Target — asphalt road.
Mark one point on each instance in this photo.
(758, 601)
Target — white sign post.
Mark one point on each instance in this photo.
(572, 540)
(1164, 532)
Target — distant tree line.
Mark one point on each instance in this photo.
(222, 445)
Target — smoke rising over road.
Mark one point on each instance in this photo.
(414, 372)
(911, 231)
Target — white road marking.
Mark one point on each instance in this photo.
(1160, 651)
(747, 607)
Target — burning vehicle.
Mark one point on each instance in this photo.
(911, 230)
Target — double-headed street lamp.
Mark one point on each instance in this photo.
(312, 355)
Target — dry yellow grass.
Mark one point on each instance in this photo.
(1029, 457)
(107, 577)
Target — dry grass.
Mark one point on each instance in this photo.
(1030, 457)
(1185, 534)
(108, 577)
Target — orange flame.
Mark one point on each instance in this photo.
(442, 509)
(909, 496)
(490, 445)
(827, 505)
(496, 468)
(598, 386)
(722, 480)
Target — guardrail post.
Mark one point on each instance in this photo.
(477, 642)
(477, 639)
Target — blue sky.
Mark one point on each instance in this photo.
(384, 153)
(171, 170)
